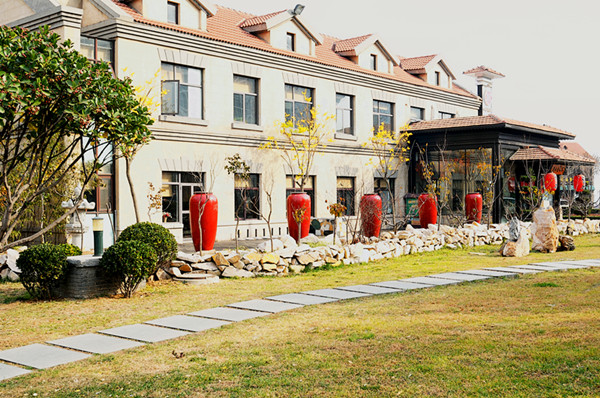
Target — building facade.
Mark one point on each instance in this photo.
(224, 78)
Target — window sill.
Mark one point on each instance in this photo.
(172, 225)
(246, 126)
(183, 119)
(346, 137)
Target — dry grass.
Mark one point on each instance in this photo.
(24, 321)
(537, 335)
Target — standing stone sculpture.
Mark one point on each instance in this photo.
(518, 243)
(544, 229)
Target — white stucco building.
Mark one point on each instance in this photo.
(226, 78)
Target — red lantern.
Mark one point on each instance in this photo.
(512, 184)
(474, 207)
(208, 221)
(295, 203)
(579, 182)
(550, 182)
(370, 214)
(427, 209)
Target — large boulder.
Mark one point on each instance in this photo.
(544, 230)
(518, 248)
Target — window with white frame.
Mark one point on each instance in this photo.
(181, 91)
(344, 113)
(245, 99)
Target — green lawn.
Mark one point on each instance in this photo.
(533, 336)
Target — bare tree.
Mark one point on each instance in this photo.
(238, 167)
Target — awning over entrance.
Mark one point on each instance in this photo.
(551, 154)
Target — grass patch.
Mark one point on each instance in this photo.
(488, 338)
(24, 321)
(545, 284)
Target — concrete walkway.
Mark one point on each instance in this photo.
(18, 361)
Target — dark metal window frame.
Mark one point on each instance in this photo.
(195, 187)
(378, 114)
(252, 198)
(347, 196)
(244, 95)
(344, 110)
(177, 15)
(293, 102)
(179, 84)
(290, 40)
(309, 191)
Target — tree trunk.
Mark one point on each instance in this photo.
(130, 181)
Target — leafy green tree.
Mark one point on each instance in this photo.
(58, 113)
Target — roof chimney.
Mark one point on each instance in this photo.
(483, 78)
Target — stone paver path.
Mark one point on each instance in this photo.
(145, 333)
(96, 343)
(75, 348)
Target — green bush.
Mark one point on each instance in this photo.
(158, 237)
(42, 267)
(70, 250)
(131, 261)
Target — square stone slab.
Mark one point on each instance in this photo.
(460, 277)
(558, 266)
(188, 323)
(9, 371)
(265, 305)
(299, 298)
(228, 314)
(96, 343)
(587, 263)
(515, 268)
(369, 289)
(535, 267)
(337, 294)
(402, 285)
(146, 333)
(487, 272)
(41, 356)
(428, 280)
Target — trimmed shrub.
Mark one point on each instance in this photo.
(131, 261)
(70, 250)
(42, 267)
(158, 237)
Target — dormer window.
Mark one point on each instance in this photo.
(438, 79)
(291, 42)
(172, 13)
(374, 61)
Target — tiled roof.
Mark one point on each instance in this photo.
(258, 20)
(482, 68)
(475, 121)
(545, 153)
(574, 147)
(224, 26)
(349, 44)
(416, 63)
